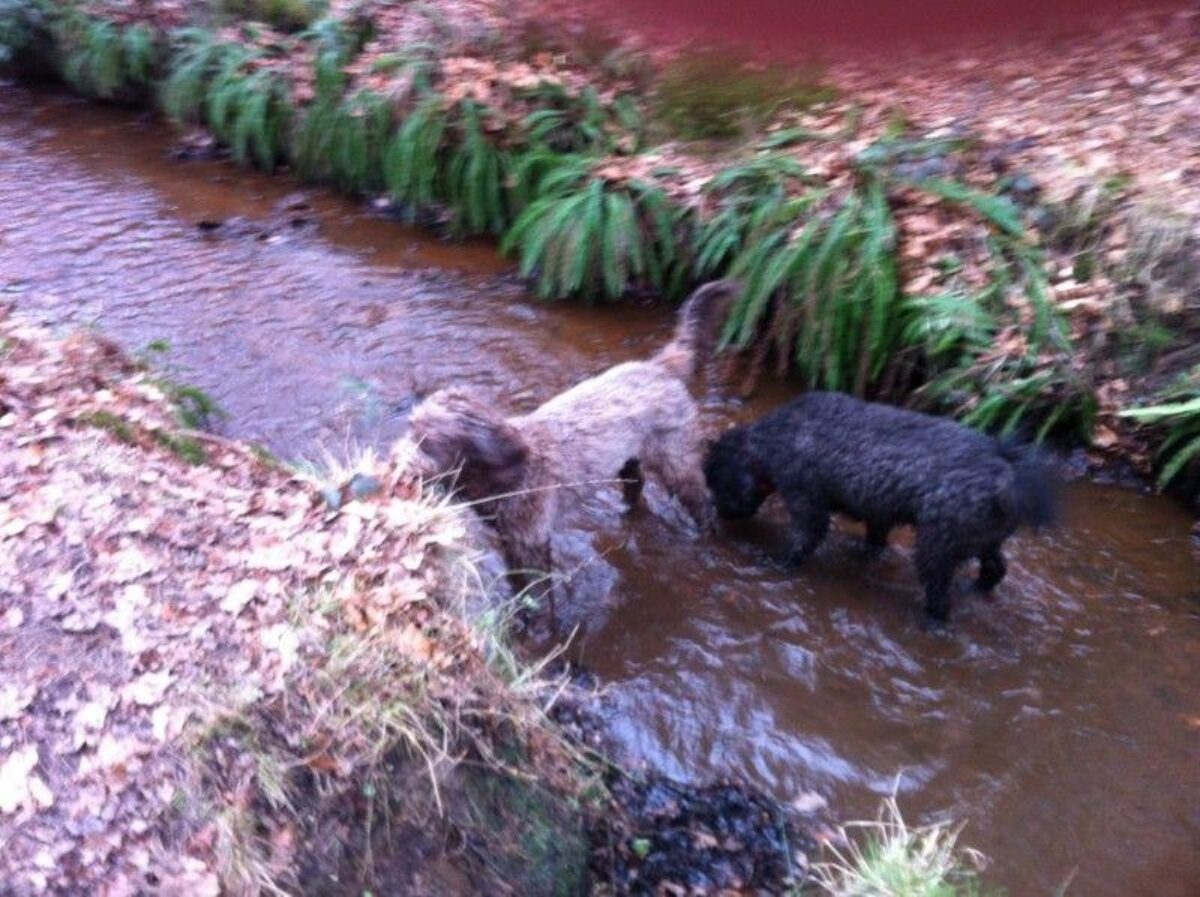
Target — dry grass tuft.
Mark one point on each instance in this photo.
(886, 857)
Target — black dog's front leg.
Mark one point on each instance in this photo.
(935, 566)
(810, 524)
(877, 537)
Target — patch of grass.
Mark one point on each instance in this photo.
(588, 236)
(712, 95)
(340, 478)
(886, 857)
(396, 730)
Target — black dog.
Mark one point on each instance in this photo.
(965, 492)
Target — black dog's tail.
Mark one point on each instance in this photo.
(1035, 487)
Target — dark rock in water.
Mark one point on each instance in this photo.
(197, 146)
(208, 225)
(668, 838)
(294, 202)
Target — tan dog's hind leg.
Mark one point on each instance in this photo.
(676, 460)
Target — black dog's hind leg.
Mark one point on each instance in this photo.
(810, 524)
(632, 482)
(991, 568)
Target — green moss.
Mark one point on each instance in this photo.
(712, 95)
(532, 838)
(186, 448)
(286, 15)
(265, 456)
(112, 423)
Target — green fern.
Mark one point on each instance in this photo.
(586, 236)
(949, 325)
(24, 25)
(748, 198)
(198, 57)
(1015, 261)
(477, 177)
(1181, 418)
(211, 82)
(140, 54)
(344, 142)
(260, 123)
(103, 60)
(286, 15)
(412, 160)
(829, 276)
(574, 123)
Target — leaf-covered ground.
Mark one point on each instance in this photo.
(203, 665)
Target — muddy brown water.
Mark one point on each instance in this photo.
(1061, 719)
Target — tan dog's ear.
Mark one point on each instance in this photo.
(490, 455)
(459, 432)
(495, 459)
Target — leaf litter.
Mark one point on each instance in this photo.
(148, 599)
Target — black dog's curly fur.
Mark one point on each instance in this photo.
(965, 492)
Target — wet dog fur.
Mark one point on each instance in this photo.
(635, 420)
(965, 492)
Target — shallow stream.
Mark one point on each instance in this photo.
(1061, 718)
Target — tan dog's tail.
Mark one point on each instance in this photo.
(696, 332)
